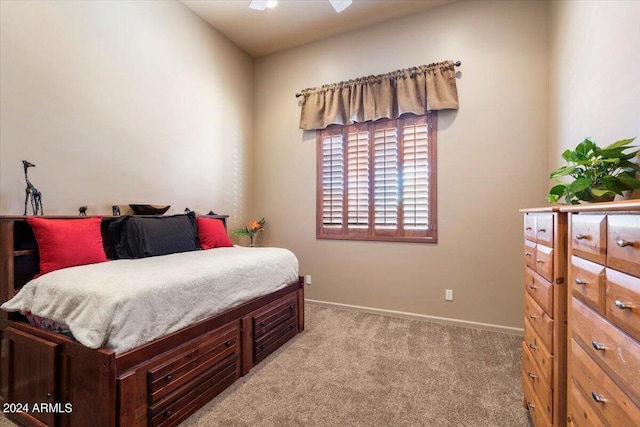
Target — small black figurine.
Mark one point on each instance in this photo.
(187, 210)
(32, 192)
(116, 210)
(83, 210)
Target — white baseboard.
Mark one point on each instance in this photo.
(424, 317)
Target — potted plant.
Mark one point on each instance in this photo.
(599, 173)
(250, 230)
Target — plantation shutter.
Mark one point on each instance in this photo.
(415, 177)
(386, 182)
(377, 181)
(332, 181)
(358, 177)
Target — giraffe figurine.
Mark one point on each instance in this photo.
(32, 192)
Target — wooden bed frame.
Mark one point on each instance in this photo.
(57, 381)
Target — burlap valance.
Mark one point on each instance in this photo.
(412, 90)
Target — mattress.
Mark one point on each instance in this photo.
(125, 303)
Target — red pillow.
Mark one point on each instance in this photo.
(67, 242)
(212, 234)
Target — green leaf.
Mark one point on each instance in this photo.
(598, 192)
(568, 155)
(620, 143)
(556, 192)
(578, 185)
(585, 148)
(563, 171)
(631, 182)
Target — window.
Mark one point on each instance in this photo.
(377, 180)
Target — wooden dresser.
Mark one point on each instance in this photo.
(604, 314)
(545, 309)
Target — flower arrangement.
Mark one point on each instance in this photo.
(599, 173)
(250, 230)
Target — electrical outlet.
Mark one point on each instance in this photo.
(307, 279)
(448, 294)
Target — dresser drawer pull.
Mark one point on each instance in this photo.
(228, 343)
(597, 397)
(542, 230)
(581, 236)
(533, 346)
(527, 254)
(623, 243)
(532, 287)
(533, 316)
(623, 306)
(598, 346)
(528, 228)
(532, 375)
(580, 282)
(539, 261)
(530, 405)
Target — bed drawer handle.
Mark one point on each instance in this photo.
(291, 326)
(168, 377)
(261, 346)
(581, 236)
(291, 307)
(597, 397)
(623, 306)
(580, 282)
(623, 243)
(262, 323)
(49, 395)
(228, 343)
(168, 413)
(598, 346)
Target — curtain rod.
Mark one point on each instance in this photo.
(457, 64)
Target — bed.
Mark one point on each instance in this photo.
(158, 379)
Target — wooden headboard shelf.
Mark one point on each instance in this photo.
(19, 256)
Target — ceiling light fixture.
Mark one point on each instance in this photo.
(338, 5)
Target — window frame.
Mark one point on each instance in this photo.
(370, 233)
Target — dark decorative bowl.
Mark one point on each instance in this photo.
(149, 209)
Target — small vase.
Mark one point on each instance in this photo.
(251, 244)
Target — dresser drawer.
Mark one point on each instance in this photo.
(540, 321)
(193, 361)
(544, 262)
(536, 410)
(530, 227)
(601, 393)
(623, 302)
(607, 344)
(580, 412)
(530, 254)
(540, 289)
(540, 354)
(623, 244)
(538, 384)
(273, 316)
(588, 283)
(177, 406)
(589, 237)
(544, 229)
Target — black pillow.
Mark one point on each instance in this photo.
(140, 237)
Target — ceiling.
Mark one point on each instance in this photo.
(297, 22)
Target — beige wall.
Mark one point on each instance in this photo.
(594, 73)
(492, 160)
(122, 102)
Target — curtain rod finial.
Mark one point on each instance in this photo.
(298, 95)
(457, 63)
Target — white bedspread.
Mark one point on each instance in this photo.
(125, 303)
